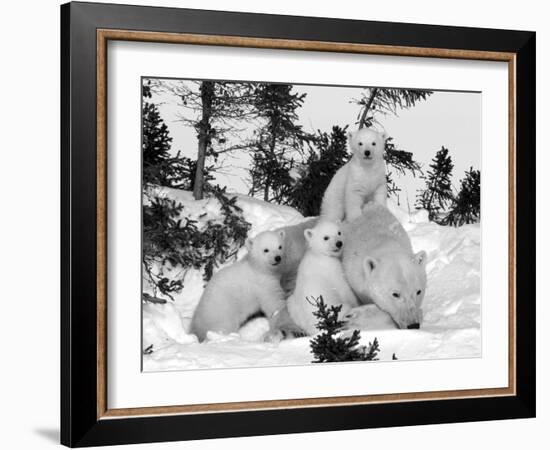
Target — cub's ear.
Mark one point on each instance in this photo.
(282, 233)
(385, 135)
(369, 265)
(420, 258)
(308, 234)
(248, 244)
(349, 135)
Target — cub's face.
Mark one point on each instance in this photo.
(398, 287)
(367, 145)
(267, 248)
(325, 238)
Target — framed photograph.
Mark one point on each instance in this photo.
(277, 224)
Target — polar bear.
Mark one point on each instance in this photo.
(247, 287)
(294, 248)
(320, 273)
(361, 179)
(382, 268)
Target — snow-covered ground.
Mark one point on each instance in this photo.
(452, 310)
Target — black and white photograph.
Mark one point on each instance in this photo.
(289, 224)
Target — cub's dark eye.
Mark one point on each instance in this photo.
(374, 144)
(326, 238)
(280, 247)
(396, 294)
(360, 144)
(418, 292)
(266, 250)
(339, 233)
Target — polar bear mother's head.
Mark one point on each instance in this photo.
(397, 284)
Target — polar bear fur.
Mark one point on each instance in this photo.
(295, 246)
(361, 179)
(247, 287)
(382, 268)
(320, 273)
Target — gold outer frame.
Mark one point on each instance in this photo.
(104, 35)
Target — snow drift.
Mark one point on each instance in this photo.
(452, 309)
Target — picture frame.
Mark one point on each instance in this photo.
(86, 418)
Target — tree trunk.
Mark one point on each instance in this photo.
(373, 95)
(204, 133)
(272, 144)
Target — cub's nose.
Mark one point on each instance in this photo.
(367, 153)
(339, 244)
(277, 258)
(413, 326)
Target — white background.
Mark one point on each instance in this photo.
(30, 184)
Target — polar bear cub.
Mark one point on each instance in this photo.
(361, 179)
(249, 286)
(320, 273)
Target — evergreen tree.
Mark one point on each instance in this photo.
(466, 206)
(168, 238)
(330, 346)
(213, 109)
(438, 193)
(327, 154)
(159, 166)
(387, 101)
(277, 142)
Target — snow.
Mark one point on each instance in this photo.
(452, 310)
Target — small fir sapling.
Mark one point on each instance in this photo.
(330, 345)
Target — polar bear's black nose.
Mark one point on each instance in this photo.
(367, 153)
(277, 258)
(413, 326)
(339, 244)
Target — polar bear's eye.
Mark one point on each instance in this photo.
(360, 143)
(326, 238)
(418, 292)
(280, 247)
(374, 144)
(339, 233)
(266, 250)
(396, 294)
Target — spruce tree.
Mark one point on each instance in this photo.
(438, 193)
(327, 154)
(277, 142)
(330, 345)
(159, 165)
(213, 109)
(156, 144)
(466, 206)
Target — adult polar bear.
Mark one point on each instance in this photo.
(382, 268)
(360, 180)
(379, 263)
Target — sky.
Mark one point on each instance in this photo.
(450, 119)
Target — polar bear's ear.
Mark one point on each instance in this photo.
(248, 244)
(369, 264)
(385, 135)
(282, 233)
(349, 134)
(308, 233)
(420, 258)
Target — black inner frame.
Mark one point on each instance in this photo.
(79, 423)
